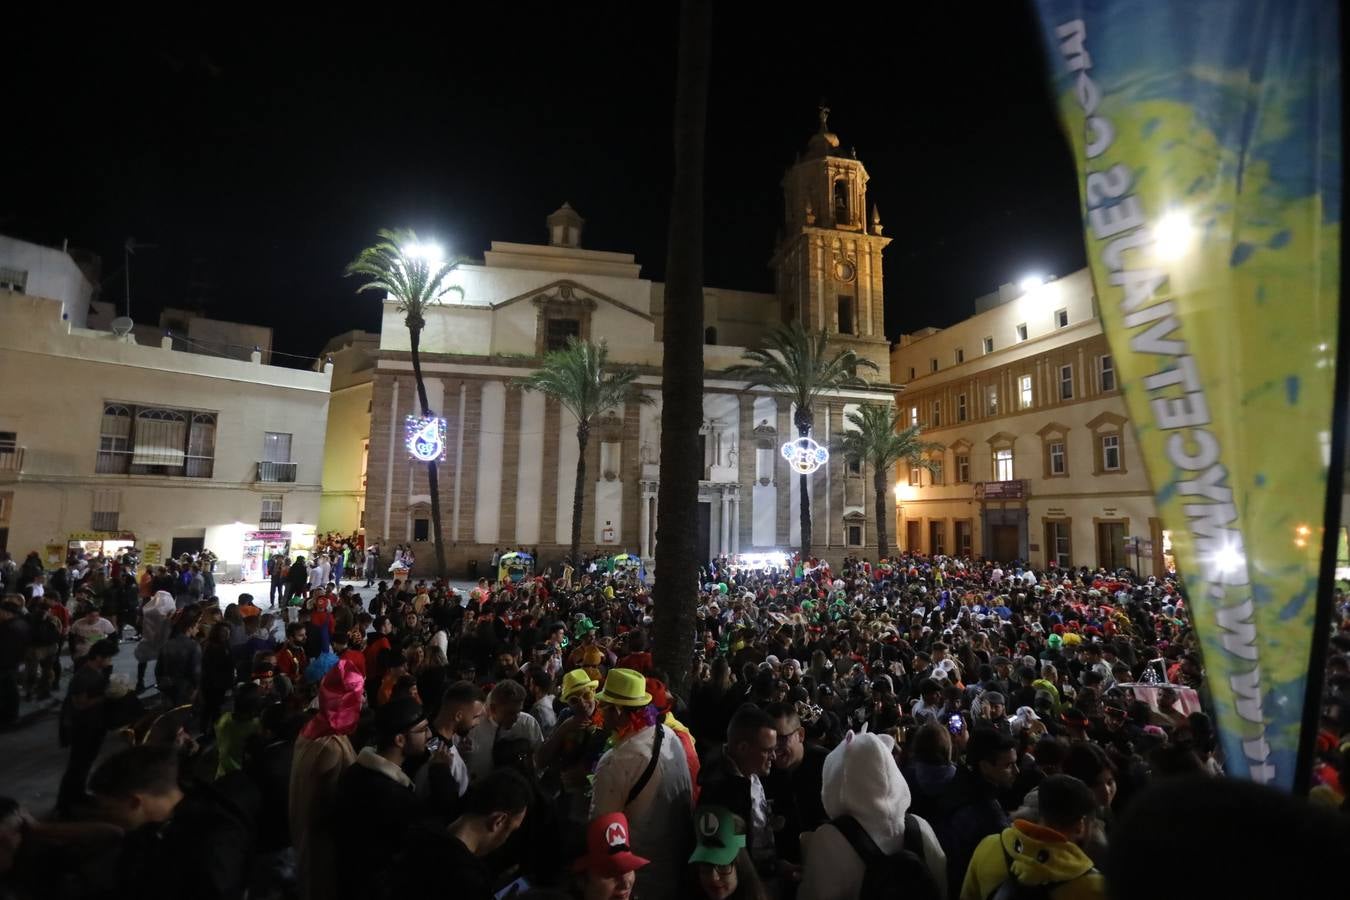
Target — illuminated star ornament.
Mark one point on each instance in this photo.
(804, 455)
(425, 437)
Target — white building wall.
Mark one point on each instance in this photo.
(530, 474)
(488, 498)
(567, 475)
(51, 273)
(60, 379)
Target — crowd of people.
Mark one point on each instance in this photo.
(914, 728)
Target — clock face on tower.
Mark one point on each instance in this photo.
(844, 270)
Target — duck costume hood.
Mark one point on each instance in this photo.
(860, 779)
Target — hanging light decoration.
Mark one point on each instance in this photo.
(804, 455)
(425, 437)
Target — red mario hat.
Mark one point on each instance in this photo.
(607, 848)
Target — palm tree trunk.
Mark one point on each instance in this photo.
(433, 476)
(804, 507)
(883, 536)
(578, 492)
(677, 558)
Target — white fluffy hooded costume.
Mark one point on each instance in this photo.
(862, 780)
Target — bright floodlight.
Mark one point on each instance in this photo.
(428, 251)
(1030, 283)
(1173, 235)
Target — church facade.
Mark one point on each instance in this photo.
(509, 456)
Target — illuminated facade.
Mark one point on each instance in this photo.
(511, 456)
(1040, 460)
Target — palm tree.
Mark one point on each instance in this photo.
(676, 590)
(414, 276)
(878, 440)
(800, 365)
(580, 378)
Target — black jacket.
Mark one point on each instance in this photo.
(968, 812)
(797, 806)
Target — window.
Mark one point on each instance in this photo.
(276, 447)
(911, 373)
(270, 517)
(964, 541)
(991, 400)
(1024, 390)
(151, 440)
(937, 533)
(15, 280)
(421, 529)
(1061, 318)
(1058, 543)
(1058, 460)
(853, 465)
(963, 468)
(1066, 382)
(1022, 332)
(106, 511)
(960, 407)
(1003, 464)
(1110, 452)
(710, 336)
(913, 416)
(559, 330)
(960, 355)
(11, 458)
(988, 345)
(936, 475)
(932, 365)
(841, 202)
(855, 535)
(936, 421)
(845, 314)
(915, 478)
(1107, 371)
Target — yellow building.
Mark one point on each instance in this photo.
(347, 447)
(1039, 459)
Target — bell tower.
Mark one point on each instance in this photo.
(827, 267)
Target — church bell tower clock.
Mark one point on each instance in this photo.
(827, 267)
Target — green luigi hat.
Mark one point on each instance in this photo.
(584, 626)
(1054, 641)
(718, 841)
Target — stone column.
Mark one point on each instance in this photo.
(736, 523)
(645, 524)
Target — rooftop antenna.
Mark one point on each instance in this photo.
(128, 249)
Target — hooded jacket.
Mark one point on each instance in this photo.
(861, 779)
(1034, 855)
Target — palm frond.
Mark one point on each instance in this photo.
(878, 439)
(800, 364)
(580, 377)
(409, 280)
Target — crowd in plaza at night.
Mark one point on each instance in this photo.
(918, 728)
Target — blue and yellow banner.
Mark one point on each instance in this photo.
(1207, 138)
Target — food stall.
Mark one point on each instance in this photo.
(259, 547)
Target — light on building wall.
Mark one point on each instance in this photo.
(1029, 283)
(425, 437)
(804, 455)
(1173, 235)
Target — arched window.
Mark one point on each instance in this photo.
(841, 201)
(710, 336)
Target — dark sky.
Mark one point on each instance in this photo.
(260, 155)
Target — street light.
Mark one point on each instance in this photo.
(426, 251)
(1029, 283)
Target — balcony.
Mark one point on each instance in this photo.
(11, 460)
(276, 472)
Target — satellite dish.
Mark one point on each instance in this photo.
(122, 325)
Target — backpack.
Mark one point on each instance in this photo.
(903, 874)
(46, 630)
(1012, 889)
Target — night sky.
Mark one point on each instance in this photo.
(260, 155)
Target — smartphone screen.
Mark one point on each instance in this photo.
(515, 888)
